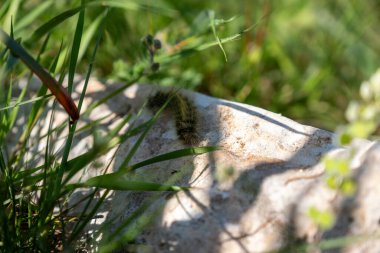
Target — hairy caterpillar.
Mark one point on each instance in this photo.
(184, 111)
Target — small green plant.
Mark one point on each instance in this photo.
(363, 115)
(363, 119)
(34, 215)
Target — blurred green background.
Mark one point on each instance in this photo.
(303, 59)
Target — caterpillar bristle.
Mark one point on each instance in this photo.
(185, 114)
(156, 101)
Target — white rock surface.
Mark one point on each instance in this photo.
(253, 195)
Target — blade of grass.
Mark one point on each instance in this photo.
(116, 181)
(93, 211)
(82, 129)
(137, 144)
(29, 101)
(56, 189)
(136, 6)
(99, 38)
(45, 204)
(73, 127)
(51, 24)
(77, 39)
(6, 226)
(32, 176)
(172, 155)
(211, 15)
(12, 13)
(79, 162)
(58, 91)
(54, 180)
(123, 235)
(83, 222)
(86, 218)
(75, 49)
(89, 34)
(5, 117)
(9, 187)
(110, 243)
(33, 15)
(328, 244)
(35, 112)
(197, 47)
(111, 95)
(4, 8)
(11, 117)
(15, 107)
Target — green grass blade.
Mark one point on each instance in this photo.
(52, 23)
(117, 181)
(90, 32)
(4, 8)
(126, 230)
(212, 24)
(12, 13)
(73, 127)
(72, 66)
(112, 241)
(134, 148)
(75, 48)
(36, 110)
(195, 48)
(111, 95)
(33, 15)
(44, 202)
(79, 162)
(7, 228)
(33, 176)
(173, 155)
(85, 218)
(13, 114)
(58, 91)
(29, 101)
(99, 38)
(136, 6)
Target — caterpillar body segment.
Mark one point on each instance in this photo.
(184, 112)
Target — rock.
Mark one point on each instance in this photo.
(253, 195)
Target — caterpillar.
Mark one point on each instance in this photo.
(184, 112)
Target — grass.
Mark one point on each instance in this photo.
(304, 59)
(295, 60)
(40, 223)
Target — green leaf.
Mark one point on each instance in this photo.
(18, 103)
(325, 219)
(362, 129)
(333, 182)
(173, 155)
(134, 5)
(118, 181)
(348, 187)
(337, 166)
(344, 138)
(89, 34)
(52, 23)
(33, 15)
(75, 49)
